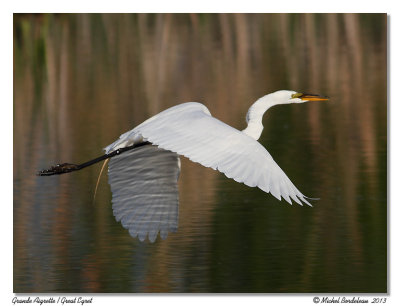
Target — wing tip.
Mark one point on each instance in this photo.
(300, 199)
(308, 203)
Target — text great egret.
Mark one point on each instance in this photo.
(148, 204)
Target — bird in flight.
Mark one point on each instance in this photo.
(144, 163)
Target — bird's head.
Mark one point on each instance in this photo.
(257, 110)
(290, 96)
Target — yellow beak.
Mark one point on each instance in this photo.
(311, 97)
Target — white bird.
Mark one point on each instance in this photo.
(148, 203)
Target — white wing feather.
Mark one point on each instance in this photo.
(189, 130)
(145, 191)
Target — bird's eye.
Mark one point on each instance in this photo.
(296, 95)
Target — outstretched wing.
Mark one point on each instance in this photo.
(189, 129)
(144, 191)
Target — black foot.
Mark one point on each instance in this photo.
(59, 169)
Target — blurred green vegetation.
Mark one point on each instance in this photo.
(81, 80)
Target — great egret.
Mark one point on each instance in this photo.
(147, 203)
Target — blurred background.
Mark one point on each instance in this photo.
(81, 80)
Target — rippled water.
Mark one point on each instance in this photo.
(82, 80)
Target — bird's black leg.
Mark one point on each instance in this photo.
(66, 167)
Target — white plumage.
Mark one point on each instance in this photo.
(188, 129)
(145, 191)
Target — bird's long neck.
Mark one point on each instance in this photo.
(254, 116)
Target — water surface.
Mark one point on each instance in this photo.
(82, 80)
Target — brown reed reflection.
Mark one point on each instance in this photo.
(80, 80)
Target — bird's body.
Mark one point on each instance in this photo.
(188, 129)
